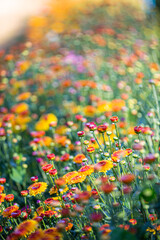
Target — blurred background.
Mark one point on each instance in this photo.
(15, 13)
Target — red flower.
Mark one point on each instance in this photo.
(80, 133)
(34, 179)
(51, 156)
(127, 179)
(96, 217)
(138, 129)
(90, 149)
(65, 157)
(102, 128)
(150, 158)
(24, 193)
(9, 197)
(114, 119)
(53, 172)
(47, 167)
(108, 188)
(16, 214)
(2, 180)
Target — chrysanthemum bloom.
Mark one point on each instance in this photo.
(47, 167)
(49, 201)
(96, 217)
(51, 156)
(53, 172)
(7, 211)
(86, 170)
(68, 176)
(80, 133)
(79, 158)
(114, 119)
(107, 188)
(90, 149)
(103, 166)
(16, 214)
(2, 197)
(26, 228)
(127, 179)
(37, 235)
(147, 130)
(24, 193)
(118, 155)
(60, 182)
(49, 213)
(77, 179)
(2, 180)
(65, 157)
(133, 221)
(102, 128)
(37, 188)
(150, 158)
(138, 129)
(34, 179)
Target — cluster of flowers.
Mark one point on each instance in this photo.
(79, 126)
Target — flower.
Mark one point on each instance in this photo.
(118, 155)
(79, 158)
(150, 158)
(2, 180)
(16, 214)
(37, 188)
(7, 211)
(24, 193)
(77, 179)
(51, 156)
(47, 167)
(127, 179)
(68, 176)
(2, 197)
(138, 129)
(25, 228)
(103, 166)
(53, 172)
(90, 149)
(34, 179)
(80, 133)
(65, 157)
(86, 170)
(102, 128)
(108, 187)
(114, 119)
(9, 197)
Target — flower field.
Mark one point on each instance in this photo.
(80, 124)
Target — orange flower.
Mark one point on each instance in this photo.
(117, 155)
(25, 228)
(86, 170)
(37, 188)
(2, 197)
(103, 166)
(7, 212)
(77, 179)
(79, 158)
(67, 177)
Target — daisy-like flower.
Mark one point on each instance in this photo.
(77, 179)
(37, 188)
(103, 166)
(25, 228)
(86, 170)
(118, 155)
(38, 234)
(67, 177)
(7, 212)
(79, 158)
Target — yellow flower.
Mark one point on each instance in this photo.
(37, 188)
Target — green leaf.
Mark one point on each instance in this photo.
(18, 175)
